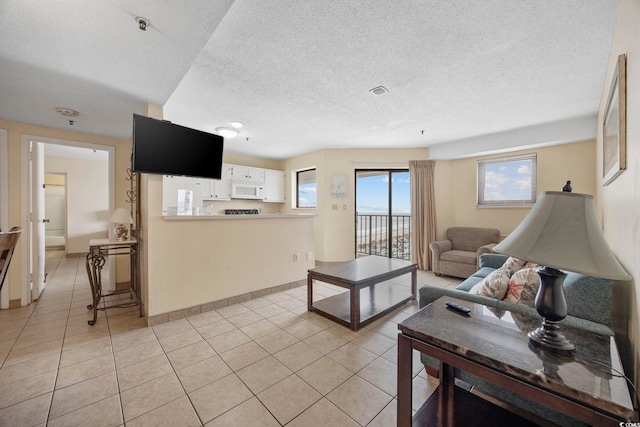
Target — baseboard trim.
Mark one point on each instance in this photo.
(15, 303)
(214, 305)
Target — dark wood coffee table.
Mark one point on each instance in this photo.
(372, 290)
(588, 387)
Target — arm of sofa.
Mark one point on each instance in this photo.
(428, 294)
(438, 248)
(485, 249)
(492, 260)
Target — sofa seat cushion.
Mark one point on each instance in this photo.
(469, 283)
(462, 257)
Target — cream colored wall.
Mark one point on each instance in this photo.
(456, 182)
(193, 262)
(335, 229)
(87, 198)
(620, 200)
(14, 132)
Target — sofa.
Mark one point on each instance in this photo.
(588, 306)
(457, 256)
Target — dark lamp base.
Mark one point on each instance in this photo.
(549, 338)
(552, 307)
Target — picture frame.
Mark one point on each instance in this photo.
(614, 125)
(338, 186)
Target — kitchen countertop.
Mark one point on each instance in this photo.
(226, 217)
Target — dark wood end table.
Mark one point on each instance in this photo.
(494, 346)
(372, 290)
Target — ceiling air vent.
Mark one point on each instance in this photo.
(67, 112)
(378, 90)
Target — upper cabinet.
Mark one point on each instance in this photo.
(272, 183)
(246, 173)
(219, 189)
(274, 186)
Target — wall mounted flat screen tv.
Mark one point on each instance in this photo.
(161, 147)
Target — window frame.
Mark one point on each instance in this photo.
(481, 175)
(297, 187)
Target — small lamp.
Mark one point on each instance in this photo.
(122, 218)
(560, 232)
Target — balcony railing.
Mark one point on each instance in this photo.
(374, 237)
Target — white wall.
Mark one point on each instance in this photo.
(87, 199)
(620, 200)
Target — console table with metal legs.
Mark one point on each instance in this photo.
(99, 249)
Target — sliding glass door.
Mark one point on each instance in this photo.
(383, 213)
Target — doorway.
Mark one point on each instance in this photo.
(383, 213)
(89, 171)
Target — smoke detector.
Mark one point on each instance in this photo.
(67, 112)
(379, 90)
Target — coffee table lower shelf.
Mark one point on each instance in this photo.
(375, 301)
(463, 408)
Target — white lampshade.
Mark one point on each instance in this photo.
(121, 216)
(562, 231)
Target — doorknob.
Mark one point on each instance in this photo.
(45, 220)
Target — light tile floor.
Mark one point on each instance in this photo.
(265, 362)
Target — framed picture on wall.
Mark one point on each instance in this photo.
(614, 126)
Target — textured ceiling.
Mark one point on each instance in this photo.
(299, 73)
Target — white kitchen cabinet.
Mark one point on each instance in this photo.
(274, 186)
(246, 173)
(219, 189)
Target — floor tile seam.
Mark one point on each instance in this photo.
(82, 407)
(13, 346)
(165, 404)
(190, 364)
(372, 384)
(115, 366)
(29, 398)
(278, 382)
(33, 360)
(351, 375)
(232, 408)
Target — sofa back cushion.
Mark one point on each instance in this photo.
(588, 297)
(471, 238)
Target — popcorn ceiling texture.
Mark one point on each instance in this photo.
(299, 73)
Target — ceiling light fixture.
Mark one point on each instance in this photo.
(143, 23)
(226, 132)
(236, 124)
(379, 90)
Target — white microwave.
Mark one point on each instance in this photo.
(240, 190)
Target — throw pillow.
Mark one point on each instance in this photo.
(514, 264)
(523, 287)
(494, 285)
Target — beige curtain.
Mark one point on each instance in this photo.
(423, 211)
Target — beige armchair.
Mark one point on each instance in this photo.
(458, 255)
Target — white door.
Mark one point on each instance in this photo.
(37, 219)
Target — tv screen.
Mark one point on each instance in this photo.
(165, 148)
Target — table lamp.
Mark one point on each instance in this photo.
(122, 218)
(560, 232)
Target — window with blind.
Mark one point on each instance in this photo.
(507, 181)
